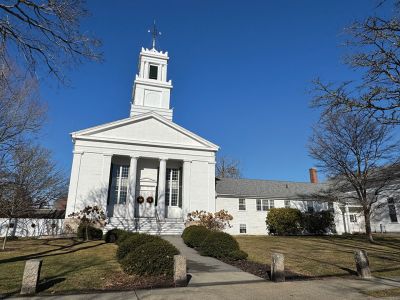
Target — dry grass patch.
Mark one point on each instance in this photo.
(326, 256)
(395, 292)
(69, 265)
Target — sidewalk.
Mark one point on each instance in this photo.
(327, 289)
(206, 271)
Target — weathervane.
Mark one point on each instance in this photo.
(155, 33)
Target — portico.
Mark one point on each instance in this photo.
(145, 171)
(146, 187)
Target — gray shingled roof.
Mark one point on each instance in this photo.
(265, 188)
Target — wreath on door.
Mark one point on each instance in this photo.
(140, 199)
(150, 199)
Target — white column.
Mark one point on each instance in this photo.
(146, 70)
(132, 188)
(164, 73)
(73, 183)
(141, 72)
(161, 188)
(186, 188)
(211, 187)
(347, 218)
(105, 180)
(160, 74)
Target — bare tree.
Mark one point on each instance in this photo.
(374, 44)
(31, 181)
(359, 155)
(227, 168)
(45, 33)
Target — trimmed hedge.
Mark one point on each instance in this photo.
(194, 235)
(218, 244)
(284, 221)
(133, 241)
(318, 222)
(238, 255)
(151, 258)
(93, 232)
(123, 236)
(113, 235)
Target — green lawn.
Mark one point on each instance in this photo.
(326, 256)
(68, 265)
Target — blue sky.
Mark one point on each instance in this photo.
(241, 72)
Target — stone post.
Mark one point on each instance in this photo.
(278, 267)
(31, 276)
(180, 276)
(362, 264)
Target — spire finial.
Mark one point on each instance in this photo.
(155, 33)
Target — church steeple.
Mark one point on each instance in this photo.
(151, 89)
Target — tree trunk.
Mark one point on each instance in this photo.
(368, 231)
(87, 234)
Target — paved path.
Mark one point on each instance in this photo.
(328, 289)
(210, 271)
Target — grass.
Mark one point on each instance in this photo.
(326, 256)
(395, 292)
(68, 265)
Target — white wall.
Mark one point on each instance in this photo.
(89, 181)
(23, 227)
(255, 220)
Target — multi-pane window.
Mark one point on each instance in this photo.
(330, 207)
(264, 204)
(153, 72)
(242, 228)
(173, 187)
(353, 218)
(119, 183)
(310, 206)
(242, 204)
(287, 203)
(392, 210)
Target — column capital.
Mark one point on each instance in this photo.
(133, 156)
(187, 161)
(107, 154)
(162, 158)
(78, 152)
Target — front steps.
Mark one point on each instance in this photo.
(147, 225)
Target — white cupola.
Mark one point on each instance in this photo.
(151, 89)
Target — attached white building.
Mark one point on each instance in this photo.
(249, 200)
(145, 171)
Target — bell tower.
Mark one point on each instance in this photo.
(151, 89)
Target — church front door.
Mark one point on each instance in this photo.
(147, 192)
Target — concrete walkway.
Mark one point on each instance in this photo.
(206, 271)
(328, 289)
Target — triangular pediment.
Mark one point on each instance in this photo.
(146, 129)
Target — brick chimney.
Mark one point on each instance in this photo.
(313, 175)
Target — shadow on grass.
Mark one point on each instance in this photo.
(49, 282)
(65, 249)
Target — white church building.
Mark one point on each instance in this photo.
(147, 173)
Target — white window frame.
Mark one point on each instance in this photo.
(158, 71)
(264, 204)
(169, 184)
(120, 183)
(242, 227)
(353, 218)
(242, 206)
(310, 208)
